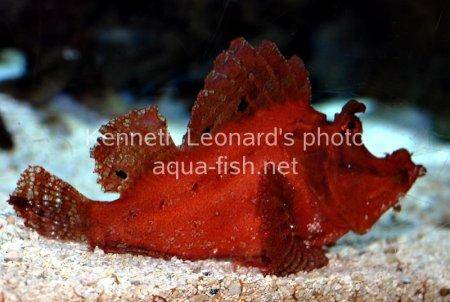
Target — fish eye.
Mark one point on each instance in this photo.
(243, 104)
(351, 125)
(207, 130)
(121, 174)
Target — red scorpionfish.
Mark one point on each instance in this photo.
(278, 222)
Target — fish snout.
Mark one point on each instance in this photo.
(408, 170)
(420, 171)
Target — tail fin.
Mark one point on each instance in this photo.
(50, 206)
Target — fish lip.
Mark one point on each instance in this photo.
(403, 158)
(417, 172)
(420, 170)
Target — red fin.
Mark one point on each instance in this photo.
(123, 154)
(300, 258)
(293, 86)
(50, 206)
(283, 252)
(301, 77)
(244, 80)
(262, 86)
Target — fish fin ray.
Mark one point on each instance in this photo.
(292, 76)
(50, 205)
(243, 80)
(130, 143)
(283, 252)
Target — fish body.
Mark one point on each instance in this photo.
(276, 220)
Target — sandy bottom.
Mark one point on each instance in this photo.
(404, 257)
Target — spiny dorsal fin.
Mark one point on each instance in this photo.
(292, 75)
(301, 77)
(130, 144)
(243, 80)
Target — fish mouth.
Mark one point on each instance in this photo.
(409, 171)
(374, 184)
(404, 172)
(419, 171)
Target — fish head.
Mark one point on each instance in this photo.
(362, 185)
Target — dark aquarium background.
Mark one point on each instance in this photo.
(113, 55)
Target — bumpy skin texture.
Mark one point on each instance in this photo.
(277, 222)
